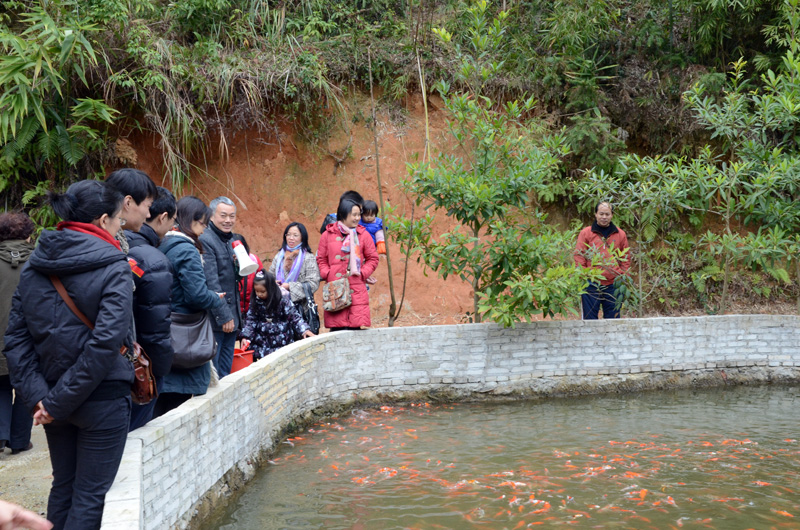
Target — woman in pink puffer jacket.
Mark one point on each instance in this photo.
(347, 250)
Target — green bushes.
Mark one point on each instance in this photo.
(517, 264)
(608, 75)
(50, 133)
(744, 193)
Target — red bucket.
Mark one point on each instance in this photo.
(241, 359)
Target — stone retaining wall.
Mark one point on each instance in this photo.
(179, 466)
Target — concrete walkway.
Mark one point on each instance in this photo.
(25, 478)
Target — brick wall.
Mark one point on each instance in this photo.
(178, 465)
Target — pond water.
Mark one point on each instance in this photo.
(726, 458)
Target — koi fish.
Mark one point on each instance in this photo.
(543, 509)
(388, 471)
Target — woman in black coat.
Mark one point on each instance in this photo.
(72, 378)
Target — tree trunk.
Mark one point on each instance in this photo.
(477, 316)
(393, 312)
(723, 303)
(641, 308)
(476, 279)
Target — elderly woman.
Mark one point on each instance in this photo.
(294, 266)
(70, 376)
(15, 249)
(346, 250)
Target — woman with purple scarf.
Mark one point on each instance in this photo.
(295, 265)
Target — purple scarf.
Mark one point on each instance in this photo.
(294, 273)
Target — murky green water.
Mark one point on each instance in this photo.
(726, 458)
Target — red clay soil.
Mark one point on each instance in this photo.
(276, 181)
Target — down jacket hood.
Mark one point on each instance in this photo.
(69, 252)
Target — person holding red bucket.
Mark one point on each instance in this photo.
(272, 320)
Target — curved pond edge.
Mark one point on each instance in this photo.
(181, 467)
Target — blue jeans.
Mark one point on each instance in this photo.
(141, 414)
(15, 420)
(226, 342)
(85, 451)
(597, 296)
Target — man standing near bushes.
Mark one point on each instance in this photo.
(598, 240)
(222, 276)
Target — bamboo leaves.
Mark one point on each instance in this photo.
(41, 125)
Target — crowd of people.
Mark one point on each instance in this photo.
(129, 264)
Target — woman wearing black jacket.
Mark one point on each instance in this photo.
(72, 378)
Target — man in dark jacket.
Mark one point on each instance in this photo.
(152, 277)
(222, 276)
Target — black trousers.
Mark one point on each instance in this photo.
(15, 419)
(85, 451)
(597, 296)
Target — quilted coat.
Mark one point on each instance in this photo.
(152, 298)
(190, 294)
(267, 330)
(54, 357)
(333, 265)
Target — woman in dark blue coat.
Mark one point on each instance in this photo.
(73, 379)
(190, 294)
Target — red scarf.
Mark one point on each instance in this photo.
(89, 228)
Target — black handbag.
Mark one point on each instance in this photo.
(309, 311)
(192, 339)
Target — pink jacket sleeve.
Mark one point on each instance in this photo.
(322, 257)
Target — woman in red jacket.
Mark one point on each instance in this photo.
(347, 250)
(598, 240)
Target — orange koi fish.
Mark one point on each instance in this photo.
(545, 507)
(388, 471)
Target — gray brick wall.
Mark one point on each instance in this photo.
(176, 460)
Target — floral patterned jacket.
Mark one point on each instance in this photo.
(267, 331)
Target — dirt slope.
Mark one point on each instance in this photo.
(280, 180)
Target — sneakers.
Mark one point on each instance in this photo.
(18, 451)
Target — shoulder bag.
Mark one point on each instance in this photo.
(308, 309)
(143, 390)
(192, 337)
(336, 295)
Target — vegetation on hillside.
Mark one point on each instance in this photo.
(683, 111)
